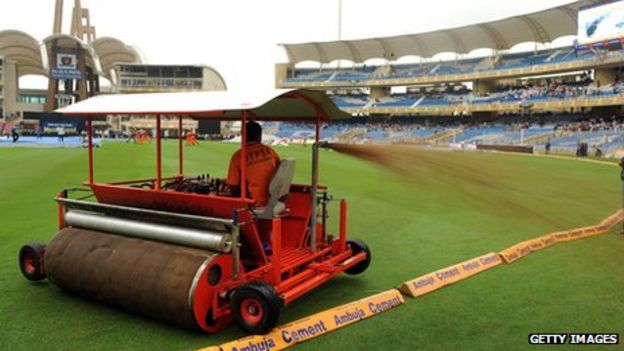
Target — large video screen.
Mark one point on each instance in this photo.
(600, 23)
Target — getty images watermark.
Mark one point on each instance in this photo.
(574, 338)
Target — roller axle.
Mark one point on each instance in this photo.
(202, 239)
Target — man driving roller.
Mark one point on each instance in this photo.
(261, 163)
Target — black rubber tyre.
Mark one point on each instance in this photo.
(255, 307)
(358, 246)
(30, 261)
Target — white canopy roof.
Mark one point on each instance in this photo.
(278, 104)
(26, 51)
(23, 49)
(112, 51)
(542, 27)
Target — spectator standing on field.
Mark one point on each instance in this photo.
(15, 133)
(60, 131)
(547, 146)
(132, 136)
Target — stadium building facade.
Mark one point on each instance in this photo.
(143, 78)
(74, 64)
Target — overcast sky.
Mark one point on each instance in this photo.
(239, 37)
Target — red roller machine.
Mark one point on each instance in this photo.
(179, 248)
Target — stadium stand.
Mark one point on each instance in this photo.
(509, 61)
(564, 133)
(552, 89)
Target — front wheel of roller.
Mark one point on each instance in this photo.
(358, 246)
(31, 261)
(256, 308)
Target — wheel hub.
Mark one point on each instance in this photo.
(28, 263)
(252, 311)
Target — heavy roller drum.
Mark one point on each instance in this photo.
(162, 280)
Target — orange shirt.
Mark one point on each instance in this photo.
(261, 164)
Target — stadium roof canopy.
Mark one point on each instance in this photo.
(541, 27)
(112, 51)
(23, 49)
(31, 58)
(271, 104)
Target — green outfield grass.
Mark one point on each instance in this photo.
(414, 225)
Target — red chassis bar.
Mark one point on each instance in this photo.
(158, 155)
(318, 267)
(180, 148)
(90, 145)
(314, 275)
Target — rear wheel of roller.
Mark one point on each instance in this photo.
(215, 325)
(31, 261)
(256, 307)
(358, 246)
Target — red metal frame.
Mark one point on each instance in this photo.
(180, 147)
(158, 155)
(290, 267)
(343, 225)
(317, 135)
(90, 146)
(276, 246)
(61, 212)
(243, 175)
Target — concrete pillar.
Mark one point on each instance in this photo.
(485, 116)
(379, 92)
(53, 84)
(282, 71)
(483, 86)
(606, 111)
(95, 84)
(11, 87)
(604, 76)
(82, 66)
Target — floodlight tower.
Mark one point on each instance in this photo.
(339, 20)
(81, 26)
(69, 60)
(339, 24)
(58, 17)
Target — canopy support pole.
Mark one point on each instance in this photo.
(315, 176)
(317, 136)
(158, 154)
(90, 147)
(180, 148)
(243, 179)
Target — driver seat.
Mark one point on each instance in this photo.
(279, 188)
